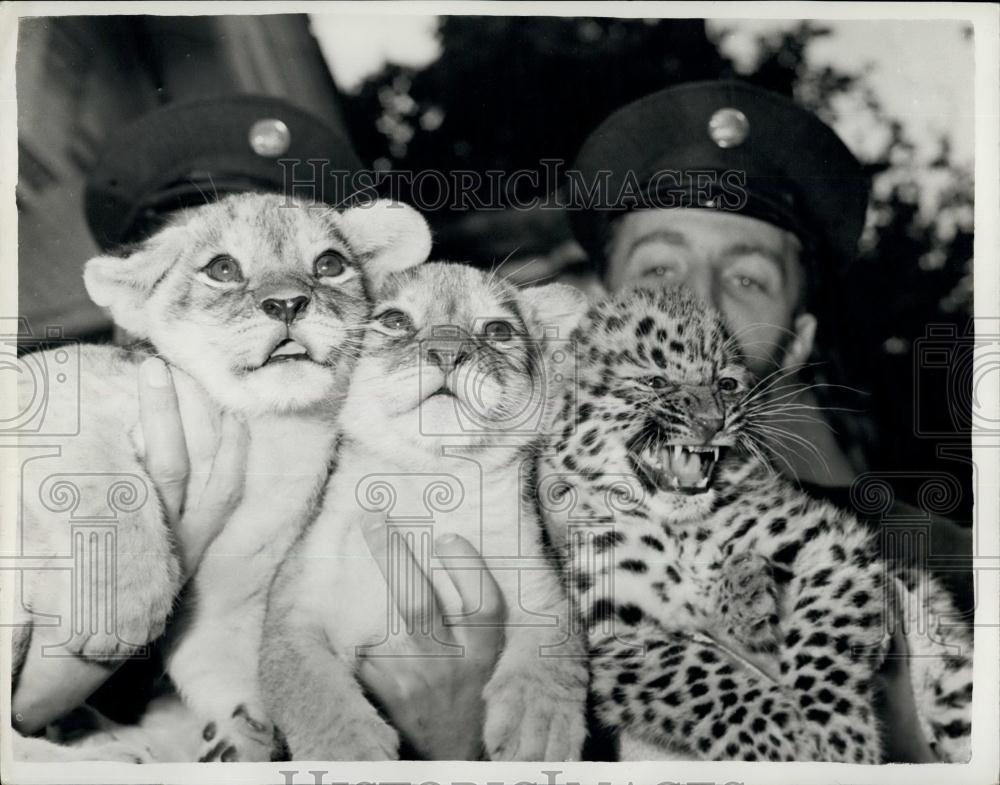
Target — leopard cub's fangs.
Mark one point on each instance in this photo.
(679, 449)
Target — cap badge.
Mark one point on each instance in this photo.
(728, 127)
(270, 137)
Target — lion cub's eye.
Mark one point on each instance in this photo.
(394, 320)
(498, 330)
(224, 269)
(656, 382)
(329, 264)
(729, 384)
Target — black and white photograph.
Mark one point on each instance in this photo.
(403, 391)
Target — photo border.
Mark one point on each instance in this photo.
(985, 763)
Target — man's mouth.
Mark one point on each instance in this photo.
(287, 351)
(681, 468)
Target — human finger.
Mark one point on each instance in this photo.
(223, 490)
(905, 742)
(405, 573)
(225, 479)
(163, 433)
(482, 601)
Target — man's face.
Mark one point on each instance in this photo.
(746, 268)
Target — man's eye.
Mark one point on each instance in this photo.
(329, 264)
(667, 272)
(498, 330)
(224, 269)
(394, 320)
(747, 282)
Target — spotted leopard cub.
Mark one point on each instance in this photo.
(685, 547)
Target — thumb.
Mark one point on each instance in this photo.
(480, 629)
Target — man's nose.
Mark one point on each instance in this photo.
(284, 309)
(700, 281)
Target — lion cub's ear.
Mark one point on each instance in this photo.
(391, 236)
(123, 284)
(554, 310)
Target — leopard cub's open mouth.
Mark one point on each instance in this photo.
(681, 468)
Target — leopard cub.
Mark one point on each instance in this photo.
(690, 558)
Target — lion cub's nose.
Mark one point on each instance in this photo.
(284, 310)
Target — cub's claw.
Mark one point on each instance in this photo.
(748, 601)
(241, 737)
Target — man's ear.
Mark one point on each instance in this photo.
(123, 284)
(553, 310)
(801, 346)
(390, 236)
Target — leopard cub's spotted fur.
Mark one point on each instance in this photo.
(682, 554)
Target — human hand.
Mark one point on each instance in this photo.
(436, 702)
(904, 740)
(168, 465)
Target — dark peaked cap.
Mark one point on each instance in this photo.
(799, 175)
(186, 153)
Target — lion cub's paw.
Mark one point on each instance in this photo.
(129, 636)
(361, 735)
(529, 717)
(123, 751)
(748, 601)
(37, 750)
(244, 736)
(141, 606)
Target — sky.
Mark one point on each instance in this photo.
(358, 45)
(922, 71)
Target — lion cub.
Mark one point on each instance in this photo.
(445, 411)
(259, 305)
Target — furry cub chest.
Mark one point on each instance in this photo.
(656, 566)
